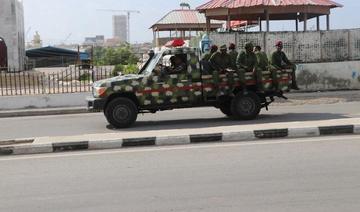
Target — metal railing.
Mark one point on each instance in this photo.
(70, 80)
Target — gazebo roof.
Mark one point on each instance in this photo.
(184, 19)
(232, 4)
(254, 9)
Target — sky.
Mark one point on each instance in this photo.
(57, 20)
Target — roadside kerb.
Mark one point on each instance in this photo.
(42, 112)
(241, 136)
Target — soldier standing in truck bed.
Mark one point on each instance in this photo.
(221, 61)
(233, 54)
(279, 60)
(262, 65)
(205, 59)
(246, 62)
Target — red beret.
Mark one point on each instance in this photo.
(232, 46)
(279, 43)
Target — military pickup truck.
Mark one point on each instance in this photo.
(156, 89)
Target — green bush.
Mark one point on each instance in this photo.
(113, 56)
(125, 69)
(131, 69)
(118, 69)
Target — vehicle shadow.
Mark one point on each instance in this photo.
(198, 123)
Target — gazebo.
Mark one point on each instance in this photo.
(179, 22)
(266, 10)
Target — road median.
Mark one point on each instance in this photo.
(250, 133)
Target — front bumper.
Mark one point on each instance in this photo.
(95, 104)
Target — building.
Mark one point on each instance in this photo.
(120, 27)
(98, 40)
(12, 34)
(50, 56)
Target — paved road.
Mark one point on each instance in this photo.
(319, 174)
(68, 125)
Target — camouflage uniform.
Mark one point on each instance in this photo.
(262, 65)
(245, 62)
(206, 64)
(233, 55)
(280, 61)
(221, 61)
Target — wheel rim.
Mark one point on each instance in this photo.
(246, 106)
(121, 113)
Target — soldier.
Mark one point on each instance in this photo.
(246, 62)
(178, 66)
(221, 60)
(208, 55)
(262, 65)
(279, 60)
(205, 60)
(233, 54)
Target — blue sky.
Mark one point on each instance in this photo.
(56, 19)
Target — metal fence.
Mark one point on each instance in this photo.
(69, 80)
(302, 47)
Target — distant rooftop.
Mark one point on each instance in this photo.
(184, 19)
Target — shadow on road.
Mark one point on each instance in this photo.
(224, 121)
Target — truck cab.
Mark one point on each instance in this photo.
(163, 86)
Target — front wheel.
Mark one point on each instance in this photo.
(246, 106)
(121, 113)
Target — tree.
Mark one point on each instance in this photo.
(114, 56)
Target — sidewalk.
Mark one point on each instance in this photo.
(235, 133)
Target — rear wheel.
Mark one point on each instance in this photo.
(246, 106)
(121, 112)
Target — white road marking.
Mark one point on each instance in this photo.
(182, 147)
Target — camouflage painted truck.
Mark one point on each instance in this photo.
(122, 98)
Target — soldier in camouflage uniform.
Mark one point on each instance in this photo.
(262, 65)
(280, 61)
(233, 54)
(221, 61)
(246, 62)
(205, 59)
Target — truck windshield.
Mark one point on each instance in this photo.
(151, 65)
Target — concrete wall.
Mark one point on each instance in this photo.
(329, 76)
(43, 101)
(12, 31)
(303, 47)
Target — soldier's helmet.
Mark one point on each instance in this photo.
(223, 48)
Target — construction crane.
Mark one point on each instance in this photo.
(128, 12)
(67, 38)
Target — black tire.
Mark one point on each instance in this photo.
(121, 112)
(225, 108)
(246, 106)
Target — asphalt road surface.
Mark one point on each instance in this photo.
(317, 174)
(68, 125)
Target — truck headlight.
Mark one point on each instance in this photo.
(99, 92)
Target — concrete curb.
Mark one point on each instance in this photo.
(241, 136)
(42, 112)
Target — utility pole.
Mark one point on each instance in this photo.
(128, 12)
